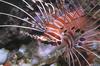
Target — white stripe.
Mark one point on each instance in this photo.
(59, 22)
(69, 20)
(55, 33)
(52, 37)
(57, 25)
(71, 14)
(50, 28)
(81, 12)
(75, 15)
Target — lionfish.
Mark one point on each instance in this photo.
(64, 24)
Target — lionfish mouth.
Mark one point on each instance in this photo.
(65, 24)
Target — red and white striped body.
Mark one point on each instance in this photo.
(69, 22)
